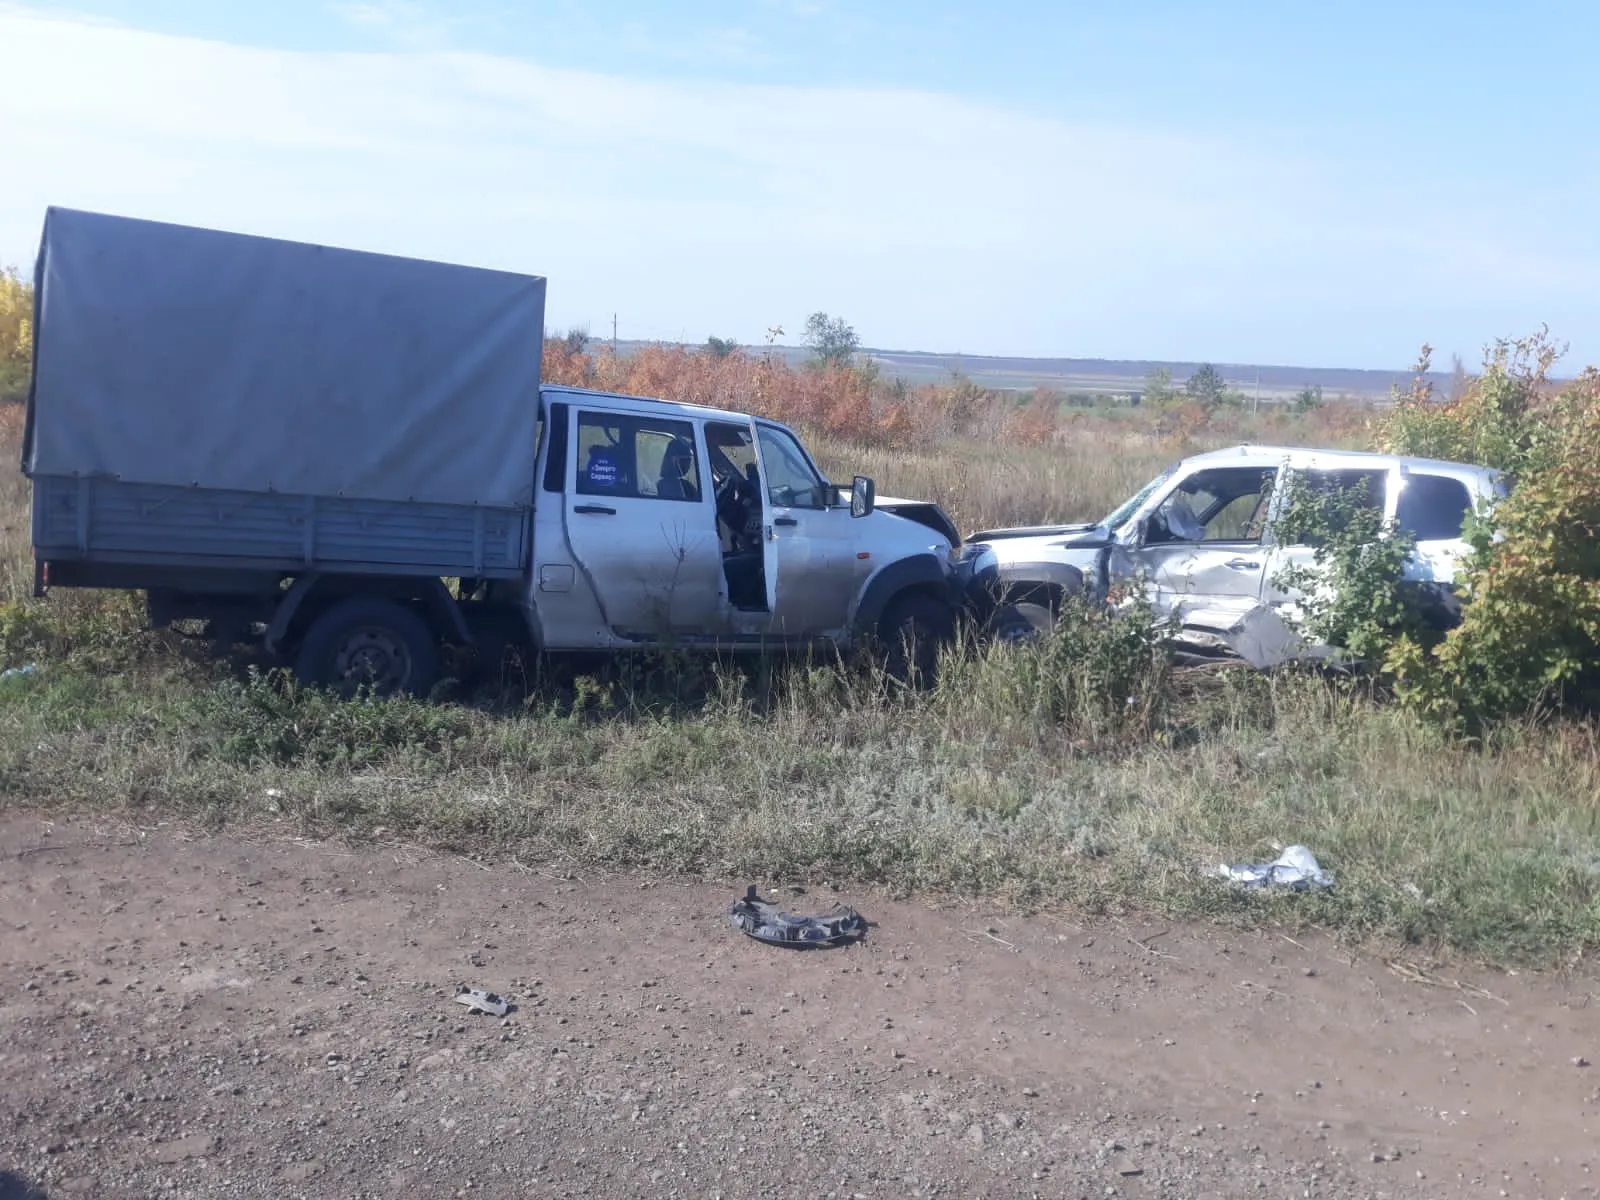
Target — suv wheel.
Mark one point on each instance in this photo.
(1020, 622)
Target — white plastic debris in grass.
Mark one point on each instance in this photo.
(1296, 869)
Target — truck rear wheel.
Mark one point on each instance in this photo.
(373, 643)
(913, 628)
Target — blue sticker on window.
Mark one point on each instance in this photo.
(602, 471)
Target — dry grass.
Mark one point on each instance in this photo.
(16, 563)
(985, 485)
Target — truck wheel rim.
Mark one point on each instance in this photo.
(374, 658)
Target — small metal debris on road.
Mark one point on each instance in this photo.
(481, 1001)
(1296, 870)
(764, 921)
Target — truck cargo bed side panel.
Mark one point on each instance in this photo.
(107, 521)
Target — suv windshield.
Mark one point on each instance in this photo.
(1126, 509)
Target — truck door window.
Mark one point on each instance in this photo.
(791, 480)
(736, 481)
(1224, 505)
(1433, 507)
(646, 458)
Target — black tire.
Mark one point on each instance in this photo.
(1021, 621)
(373, 642)
(912, 630)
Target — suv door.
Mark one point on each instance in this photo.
(1374, 483)
(641, 523)
(1202, 546)
(811, 563)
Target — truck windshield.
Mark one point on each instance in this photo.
(1126, 509)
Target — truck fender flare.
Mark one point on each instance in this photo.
(925, 572)
(284, 615)
(444, 613)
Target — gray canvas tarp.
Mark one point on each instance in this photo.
(167, 354)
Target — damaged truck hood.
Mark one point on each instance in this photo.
(923, 512)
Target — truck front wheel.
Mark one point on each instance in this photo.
(367, 642)
(913, 628)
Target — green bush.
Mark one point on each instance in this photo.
(1100, 675)
(1493, 422)
(1354, 596)
(268, 719)
(1529, 637)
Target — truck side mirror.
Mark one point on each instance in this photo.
(863, 496)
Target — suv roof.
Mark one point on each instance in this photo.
(1252, 454)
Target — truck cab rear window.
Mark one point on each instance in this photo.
(645, 458)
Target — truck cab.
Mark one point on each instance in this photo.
(662, 524)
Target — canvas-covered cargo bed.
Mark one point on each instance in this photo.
(172, 355)
(265, 388)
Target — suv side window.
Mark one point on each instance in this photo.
(1433, 507)
(791, 480)
(1227, 504)
(1370, 484)
(645, 458)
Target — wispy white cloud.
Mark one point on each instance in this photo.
(711, 46)
(805, 9)
(409, 24)
(701, 207)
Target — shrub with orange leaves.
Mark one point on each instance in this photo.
(842, 402)
(1181, 421)
(1035, 423)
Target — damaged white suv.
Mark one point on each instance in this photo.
(1204, 538)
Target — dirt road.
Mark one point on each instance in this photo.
(210, 1016)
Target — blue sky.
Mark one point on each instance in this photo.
(1326, 185)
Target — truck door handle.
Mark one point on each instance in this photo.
(784, 521)
(595, 508)
(1241, 564)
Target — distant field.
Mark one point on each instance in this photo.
(1112, 377)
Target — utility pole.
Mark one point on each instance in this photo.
(1257, 407)
(613, 333)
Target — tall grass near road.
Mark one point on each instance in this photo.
(977, 790)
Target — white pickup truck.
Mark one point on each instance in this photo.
(1203, 537)
(352, 459)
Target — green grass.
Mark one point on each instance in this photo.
(976, 790)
